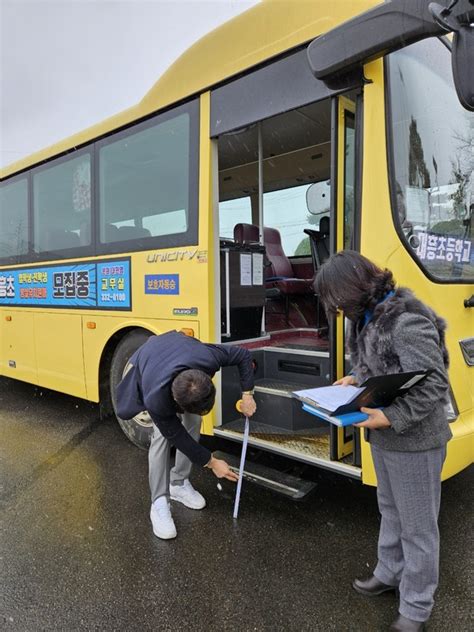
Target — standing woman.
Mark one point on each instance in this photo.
(392, 331)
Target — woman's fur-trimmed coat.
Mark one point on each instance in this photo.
(404, 334)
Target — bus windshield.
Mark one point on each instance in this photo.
(432, 145)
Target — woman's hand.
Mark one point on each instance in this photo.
(221, 469)
(376, 419)
(348, 380)
(247, 405)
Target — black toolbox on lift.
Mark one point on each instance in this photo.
(242, 290)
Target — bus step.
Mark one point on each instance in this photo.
(286, 484)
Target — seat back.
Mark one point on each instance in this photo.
(61, 239)
(111, 233)
(132, 232)
(321, 242)
(246, 233)
(280, 264)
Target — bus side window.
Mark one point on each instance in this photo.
(234, 212)
(62, 204)
(61, 239)
(111, 233)
(148, 181)
(85, 234)
(14, 219)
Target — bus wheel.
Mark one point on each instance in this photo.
(139, 429)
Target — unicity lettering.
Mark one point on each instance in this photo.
(178, 255)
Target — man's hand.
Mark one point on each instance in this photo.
(222, 470)
(376, 419)
(248, 405)
(348, 380)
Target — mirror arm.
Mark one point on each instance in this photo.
(443, 16)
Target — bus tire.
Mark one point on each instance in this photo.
(139, 429)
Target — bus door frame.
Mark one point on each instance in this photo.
(343, 441)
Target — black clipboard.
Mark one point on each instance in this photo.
(380, 390)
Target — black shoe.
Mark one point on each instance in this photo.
(371, 587)
(402, 624)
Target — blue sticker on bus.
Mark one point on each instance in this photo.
(84, 285)
(161, 283)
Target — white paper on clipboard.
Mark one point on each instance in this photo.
(245, 269)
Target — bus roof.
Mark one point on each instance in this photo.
(260, 33)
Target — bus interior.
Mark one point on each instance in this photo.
(279, 171)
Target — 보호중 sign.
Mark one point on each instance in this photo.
(161, 283)
(93, 285)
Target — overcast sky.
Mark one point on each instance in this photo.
(67, 64)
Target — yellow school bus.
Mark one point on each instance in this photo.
(292, 131)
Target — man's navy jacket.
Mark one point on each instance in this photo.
(147, 384)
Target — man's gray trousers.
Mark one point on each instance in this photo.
(159, 473)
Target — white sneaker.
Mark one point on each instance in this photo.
(162, 520)
(187, 495)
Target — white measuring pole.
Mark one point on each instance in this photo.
(241, 468)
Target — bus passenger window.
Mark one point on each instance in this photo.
(145, 181)
(14, 219)
(232, 212)
(287, 210)
(62, 205)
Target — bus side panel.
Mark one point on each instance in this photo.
(459, 455)
(445, 299)
(369, 476)
(95, 340)
(58, 339)
(461, 447)
(18, 358)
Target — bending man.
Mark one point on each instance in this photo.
(170, 377)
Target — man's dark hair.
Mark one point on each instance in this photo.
(352, 283)
(193, 391)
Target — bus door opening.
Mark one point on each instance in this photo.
(278, 201)
(274, 192)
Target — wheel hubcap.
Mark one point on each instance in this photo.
(143, 419)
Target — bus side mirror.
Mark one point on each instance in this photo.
(462, 53)
(318, 197)
(463, 65)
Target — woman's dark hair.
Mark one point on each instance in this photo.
(193, 391)
(352, 283)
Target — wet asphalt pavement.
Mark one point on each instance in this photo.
(77, 551)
